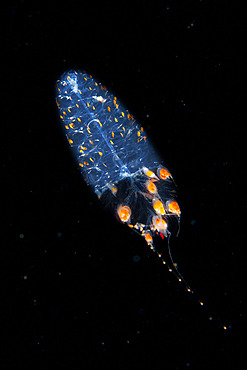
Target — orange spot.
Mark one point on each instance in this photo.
(160, 225)
(158, 207)
(78, 119)
(163, 173)
(148, 172)
(124, 213)
(70, 141)
(151, 187)
(148, 238)
(109, 109)
(114, 189)
(173, 207)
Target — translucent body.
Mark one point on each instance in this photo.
(117, 160)
(106, 141)
(115, 156)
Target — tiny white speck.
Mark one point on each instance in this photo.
(99, 98)
(73, 83)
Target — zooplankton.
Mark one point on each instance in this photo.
(117, 160)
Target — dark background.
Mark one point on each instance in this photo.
(77, 288)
